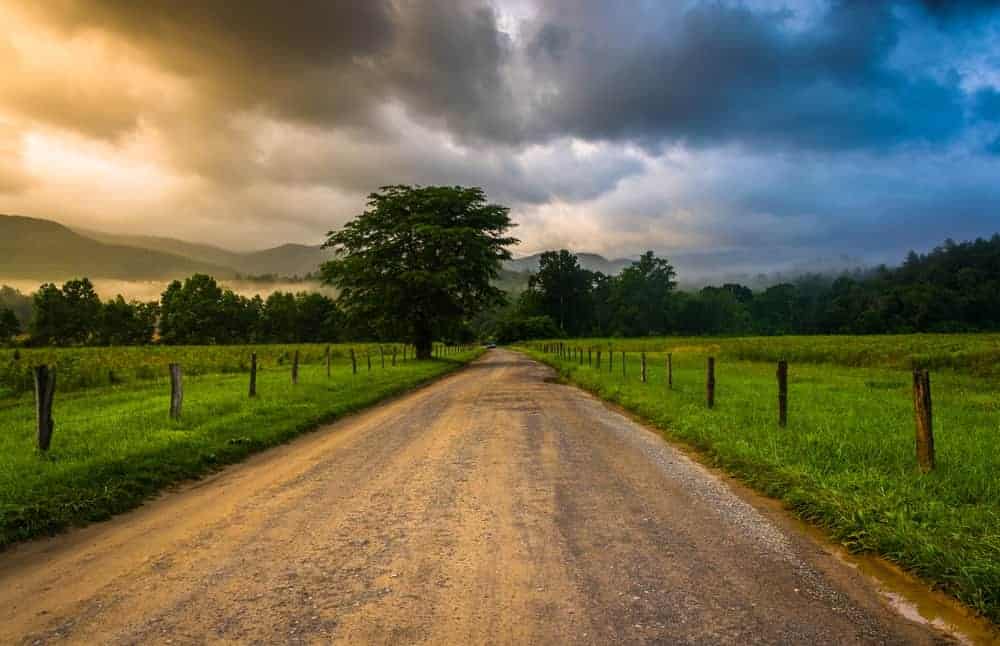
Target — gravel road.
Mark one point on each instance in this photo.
(493, 507)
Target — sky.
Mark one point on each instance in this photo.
(754, 135)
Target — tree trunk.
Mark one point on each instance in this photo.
(423, 343)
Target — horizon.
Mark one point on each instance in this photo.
(828, 128)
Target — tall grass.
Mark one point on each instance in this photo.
(846, 460)
(79, 368)
(975, 354)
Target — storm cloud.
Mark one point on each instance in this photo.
(764, 129)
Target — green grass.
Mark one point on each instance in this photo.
(976, 354)
(79, 368)
(846, 461)
(114, 446)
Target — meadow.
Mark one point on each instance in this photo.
(846, 460)
(114, 444)
(89, 367)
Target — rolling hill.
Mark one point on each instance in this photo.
(45, 250)
(284, 260)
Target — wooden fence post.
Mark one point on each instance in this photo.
(176, 391)
(670, 371)
(611, 360)
(354, 363)
(368, 355)
(710, 383)
(623, 363)
(782, 393)
(295, 367)
(579, 351)
(328, 362)
(598, 357)
(590, 357)
(45, 387)
(394, 356)
(924, 417)
(643, 367)
(253, 374)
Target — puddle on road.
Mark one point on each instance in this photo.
(915, 600)
(903, 592)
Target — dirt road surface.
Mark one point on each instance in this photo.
(493, 507)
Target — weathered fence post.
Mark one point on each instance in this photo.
(176, 391)
(623, 363)
(394, 349)
(598, 357)
(253, 374)
(45, 387)
(368, 355)
(295, 367)
(710, 383)
(611, 360)
(670, 371)
(590, 357)
(643, 367)
(580, 352)
(354, 363)
(782, 393)
(328, 362)
(924, 417)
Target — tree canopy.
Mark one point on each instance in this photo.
(420, 261)
(953, 288)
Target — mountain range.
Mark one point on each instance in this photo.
(35, 248)
(46, 250)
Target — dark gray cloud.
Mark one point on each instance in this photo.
(716, 72)
(700, 73)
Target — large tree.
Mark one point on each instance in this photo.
(640, 296)
(67, 316)
(562, 291)
(420, 261)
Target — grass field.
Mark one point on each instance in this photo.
(114, 446)
(846, 460)
(80, 368)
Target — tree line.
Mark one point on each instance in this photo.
(953, 288)
(197, 311)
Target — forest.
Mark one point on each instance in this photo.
(953, 288)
